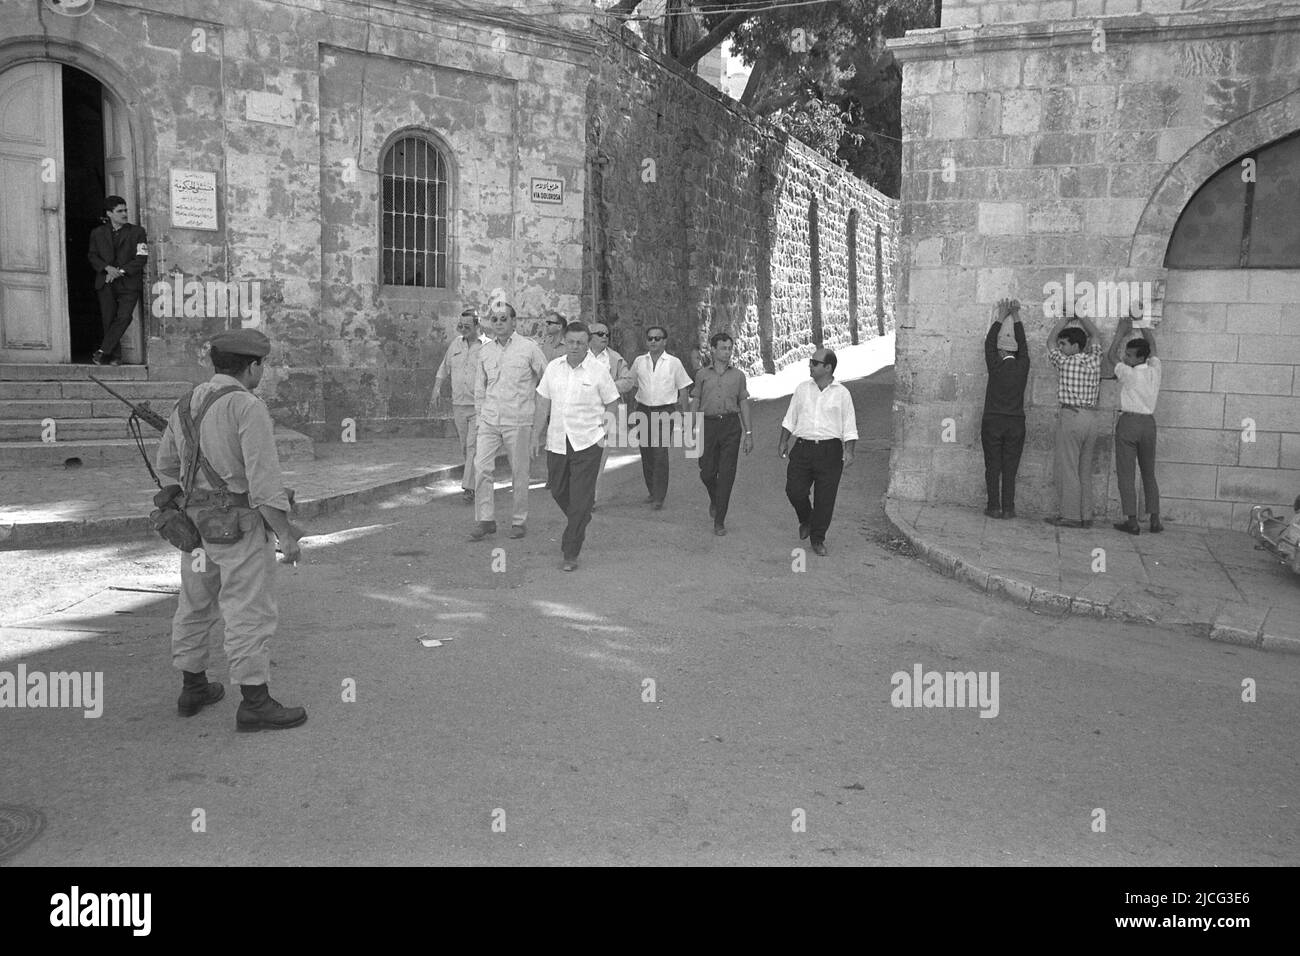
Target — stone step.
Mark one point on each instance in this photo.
(68, 429)
(23, 409)
(134, 390)
(47, 373)
(21, 455)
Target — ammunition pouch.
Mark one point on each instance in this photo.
(218, 514)
(171, 522)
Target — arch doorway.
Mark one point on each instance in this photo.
(65, 144)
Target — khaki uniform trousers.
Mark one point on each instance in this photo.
(516, 440)
(230, 583)
(466, 419)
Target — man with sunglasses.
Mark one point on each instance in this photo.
(824, 427)
(552, 340)
(509, 368)
(460, 365)
(623, 378)
(662, 385)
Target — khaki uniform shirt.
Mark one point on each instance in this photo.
(460, 363)
(238, 440)
(505, 381)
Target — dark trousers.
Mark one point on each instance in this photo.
(1003, 437)
(572, 480)
(814, 466)
(1135, 440)
(116, 303)
(721, 449)
(654, 453)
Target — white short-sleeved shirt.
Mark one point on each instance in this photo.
(1139, 386)
(819, 413)
(578, 398)
(658, 383)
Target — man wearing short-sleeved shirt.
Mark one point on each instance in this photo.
(460, 364)
(576, 394)
(824, 428)
(721, 396)
(661, 388)
(623, 378)
(509, 368)
(1135, 429)
(1077, 356)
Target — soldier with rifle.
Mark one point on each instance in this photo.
(222, 435)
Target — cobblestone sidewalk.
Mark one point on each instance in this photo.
(1209, 580)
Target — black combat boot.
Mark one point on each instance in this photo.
(197, 693)
(260, 711)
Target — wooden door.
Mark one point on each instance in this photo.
(33, 280)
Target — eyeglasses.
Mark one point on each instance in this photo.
(654, 338)
(601, 334)
(817, 362)
(554, 322)
(500, 318)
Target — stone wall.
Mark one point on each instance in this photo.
(969, 12)
(700, 221)
(1029, 155)
(290, 106)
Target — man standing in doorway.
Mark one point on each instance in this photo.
(460, 365)
(623, 378)
(576, 394)
(721, 395)
(505, 383)
(824, 427)
(662, 385)
(230, 583)
(118, 251)
(1076, 354)
(1135, 430)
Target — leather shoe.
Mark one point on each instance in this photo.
(1156, 526)
(804, 530)
(1131, 526)
(197, 692)
(518, 531)
(259, 711)
(819, 548)
(483, 529)
(97, 358)
(1009, 512)
(569, 565)
(467, 496)
(993, 512)
(657, 506)
(719, 530)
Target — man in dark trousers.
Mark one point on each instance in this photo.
(721, 396)
(118, 251)
(1002, 430)
(822, 423)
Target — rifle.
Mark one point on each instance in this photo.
(141, 411)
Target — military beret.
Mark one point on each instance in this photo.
(242, 342)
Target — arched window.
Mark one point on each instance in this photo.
(1245, 215)
(414, 222)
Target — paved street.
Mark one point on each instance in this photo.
(772, 695)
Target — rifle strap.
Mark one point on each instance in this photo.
(190, 426)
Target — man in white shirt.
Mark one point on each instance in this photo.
(824, 427)
(576, 394)
(662, 385)
(623, 378)
(505, 383)
(460, 364)
(1135, 430)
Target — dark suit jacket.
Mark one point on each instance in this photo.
(124, 256)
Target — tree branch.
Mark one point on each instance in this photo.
(623, 8)
(711, 39)
(757, 74)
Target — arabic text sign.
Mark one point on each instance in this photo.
(194, 199)
(550, 191)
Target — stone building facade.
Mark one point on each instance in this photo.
(1100, 142)
(347, 176)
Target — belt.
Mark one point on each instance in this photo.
(1079, 408)
(723, 415)
(817, 441)
(202, 496)
(1139, 414)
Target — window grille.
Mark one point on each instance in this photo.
(415, 190)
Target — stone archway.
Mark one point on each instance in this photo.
(1203, 160)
